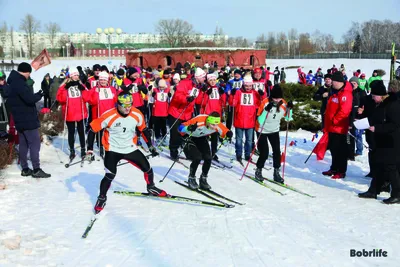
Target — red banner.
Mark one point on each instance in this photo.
(321, 147)
(43, 59)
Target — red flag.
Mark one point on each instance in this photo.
(43, 59)
(321, 147)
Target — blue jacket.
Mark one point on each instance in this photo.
(310, 78)
(230, 84)
(22, 102)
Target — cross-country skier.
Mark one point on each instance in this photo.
(161, 95)
(119, 141)
(197, 147)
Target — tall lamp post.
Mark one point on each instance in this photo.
(109, 32)
(67, 44)
(63, 47)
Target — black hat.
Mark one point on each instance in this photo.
(378, 88)
(167, 71)
(96, 67)
(282, 68)
(276, 92)
(104, 68)
(130, 71)
(338, 77)
(328, 75)
(120, 72)
(79, 68)
(24, 67)
(237, 72)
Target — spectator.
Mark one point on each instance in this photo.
(310, 78)
(23, 108)
(54, 88)
(362, 82)
(283, 75)
(323, 93)
(319, 76)
(374, 77)
(276, 75)
(46, 83)
(342, 68)
(333, 69)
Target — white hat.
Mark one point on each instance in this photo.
(103, 75)
(247, 79)
(73, 71)
(211, 76)
(162, 83)
(176, 76)
(199, 73)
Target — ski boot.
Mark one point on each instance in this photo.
(26, 172)
(203, 182)
(215, 158)
(367, 194)
(72, 155)
(90, 155)
(152, 189)
(239, 159)
(247, 157)
(258, 175)
(328, 173)
(39, 173)
(277, 176)
(100, 204)
(192, 183)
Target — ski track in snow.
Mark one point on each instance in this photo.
(51, 215)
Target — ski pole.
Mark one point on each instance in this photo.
(355, 138)
(254, 149)
(172, 126)
(65, 121)
(170, 168)
(312, 151)
(284, 153)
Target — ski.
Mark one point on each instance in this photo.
(263, 184)
(221, 196)
(172, 198)
(89, 227)
(206, 195)
(223, 165)
(265, 168)
(288, 187)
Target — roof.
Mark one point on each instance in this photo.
(153, 50)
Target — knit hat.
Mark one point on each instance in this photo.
(378, 88)
(237, 71)
(2, 76)
(362, 75)
(199, 73)
(176, 76)
(211, 76)
(167, 71)
(247, 80)
(162, 83)
(24, 67)
(257, 70)
(96, 67)
(103, 76)
(328, 76)
(130, 71)
(120, 72)
(73, 71)
(62, 75)
(338, 77)
(355, 79)
(276, 92)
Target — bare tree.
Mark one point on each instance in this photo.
(3, 34)
(30, 25)
(175, 32)
(52, 28)
(12, 35)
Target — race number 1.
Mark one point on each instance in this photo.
(247, 99)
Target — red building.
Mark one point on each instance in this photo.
(241, 57)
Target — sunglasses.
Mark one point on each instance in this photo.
(125, 105)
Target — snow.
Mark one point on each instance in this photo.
(49, 216)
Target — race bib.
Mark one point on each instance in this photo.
(214, 94)
(247, 100)
(237, 84)
(135, 88)
(258, 86)
(94, 83)
(162, 97)
(195, 92)
(74, 92)
(105, 93)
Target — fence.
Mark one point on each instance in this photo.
(332, 55)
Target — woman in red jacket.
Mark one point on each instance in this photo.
(102, 99)
(73, 96)
(161, 95)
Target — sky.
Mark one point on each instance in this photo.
(247, 18)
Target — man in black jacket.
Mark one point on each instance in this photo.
(46, 90)
(323, 93)
(23, 108)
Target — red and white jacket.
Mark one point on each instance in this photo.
(179, 102)
(73, 102)
(102, 99)
(161, 102)
(213, 102)
(245, 105)
(92, 82)
(136, 94)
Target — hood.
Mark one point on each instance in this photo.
(15, 76)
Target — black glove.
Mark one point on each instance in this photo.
(269, 107)
(190, 99)
(192, 127)
(153, 94)
(290, 104)
(40, 92)
(150, 87)
(142, 88)
(81, 87)
(169, 94)
(221, 91)
(229, 135)
(233, 92)
(260, 92)
(153, 151)
(204, 88)
(209, 91)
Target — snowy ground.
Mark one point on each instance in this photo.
(50, 216)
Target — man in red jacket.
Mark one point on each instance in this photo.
(337, 121)
(182, 106)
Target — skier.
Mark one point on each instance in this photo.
(236, 83)
(135, 85)
(102, 98)
(161, 96)
(277, 73)
(270, 113)
(182, 104)
(260, 83)
(374, 77)
(119, 141)
(73, 96)
(197, 147)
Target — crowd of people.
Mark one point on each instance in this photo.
(124, 107)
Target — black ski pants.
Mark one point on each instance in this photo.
(196, 150)
(339, 151)
(160, 126)
(175, 138)
(263, 149)
(71, 125)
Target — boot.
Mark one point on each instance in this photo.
(215, 158)
(239, 159)
(39, 173)
(90, 155)
(339, 176)
(367, 194)
(392, 200)
(72, 154)
(328, 173)
(152, 189)
(277, 176)
(100, 204)
(192, 183)
(258, 175)
(26, 172)
(203, 182)
(385, 187)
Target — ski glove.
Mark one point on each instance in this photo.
(190, 99)
(290, 104)
(221, 91)
(153, 151)
(150, 87)
(204, 88)
(229, 135)
(269, 107)
(169, 94)
(260, 92)
(233, 92)
(143, 88)
(192, 128)
(209, 91)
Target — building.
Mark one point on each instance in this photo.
(241, 57)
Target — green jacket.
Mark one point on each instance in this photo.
(30, 83)
(370, 80)
(362, 83)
